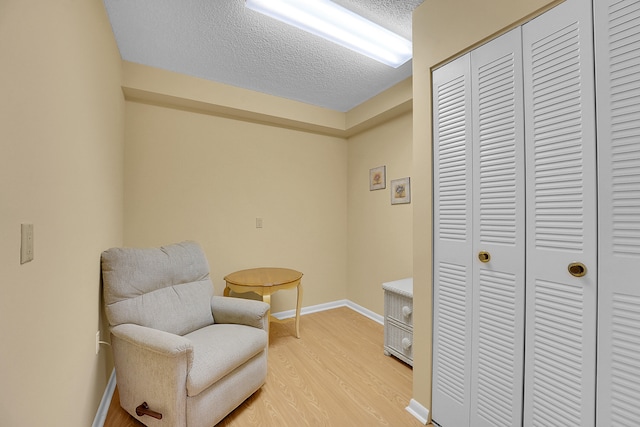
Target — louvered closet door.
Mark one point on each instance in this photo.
(617, 30)
(561, 217)
(452, 243)
(498, 230)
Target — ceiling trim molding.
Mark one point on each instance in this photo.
(391, 103)
(155, 86)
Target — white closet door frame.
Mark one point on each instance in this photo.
(452, 243)
(498, 232)
(561, 310)
(617, 39)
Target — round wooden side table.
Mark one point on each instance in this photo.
(265, 281)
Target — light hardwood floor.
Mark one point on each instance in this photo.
(335, 375)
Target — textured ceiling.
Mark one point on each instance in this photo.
(222, 41)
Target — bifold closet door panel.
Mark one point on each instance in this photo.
(452, 243)
(498, 233)
(617, 39)
(561, 306)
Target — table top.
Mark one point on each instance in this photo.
(263, 276)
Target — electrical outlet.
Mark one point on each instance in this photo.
(258, 222)
(26, 243)
(98, 342)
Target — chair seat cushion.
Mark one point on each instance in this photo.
(219, 349)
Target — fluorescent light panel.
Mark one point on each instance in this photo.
(339, 25)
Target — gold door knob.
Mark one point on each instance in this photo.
(484, 256)
(577, 269)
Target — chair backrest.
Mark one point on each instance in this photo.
(166, 288)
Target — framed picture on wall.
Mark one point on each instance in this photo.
(400, 191)
(378, 178)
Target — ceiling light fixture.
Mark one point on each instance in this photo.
(339, 25)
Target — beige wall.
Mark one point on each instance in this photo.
(192, 174)
(441, 31)
(204, 160)
(380, 234)
(61, 139)
(207, 178)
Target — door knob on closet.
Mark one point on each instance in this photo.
(484, 256)
(577, 269)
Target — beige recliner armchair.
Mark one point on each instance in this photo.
(183, 357)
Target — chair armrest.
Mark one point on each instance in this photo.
(152, 366)
(240, 311)
(153, 340)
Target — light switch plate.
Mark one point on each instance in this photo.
(26, 243)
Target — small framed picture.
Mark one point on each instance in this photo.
(378, 178)
(400, 191)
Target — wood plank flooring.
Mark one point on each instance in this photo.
(335, 375)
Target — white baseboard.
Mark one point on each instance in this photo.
(418, 411)
(101, 414)
(288, 314)
(365, 312)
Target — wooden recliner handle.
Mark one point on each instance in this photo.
(144, 410)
